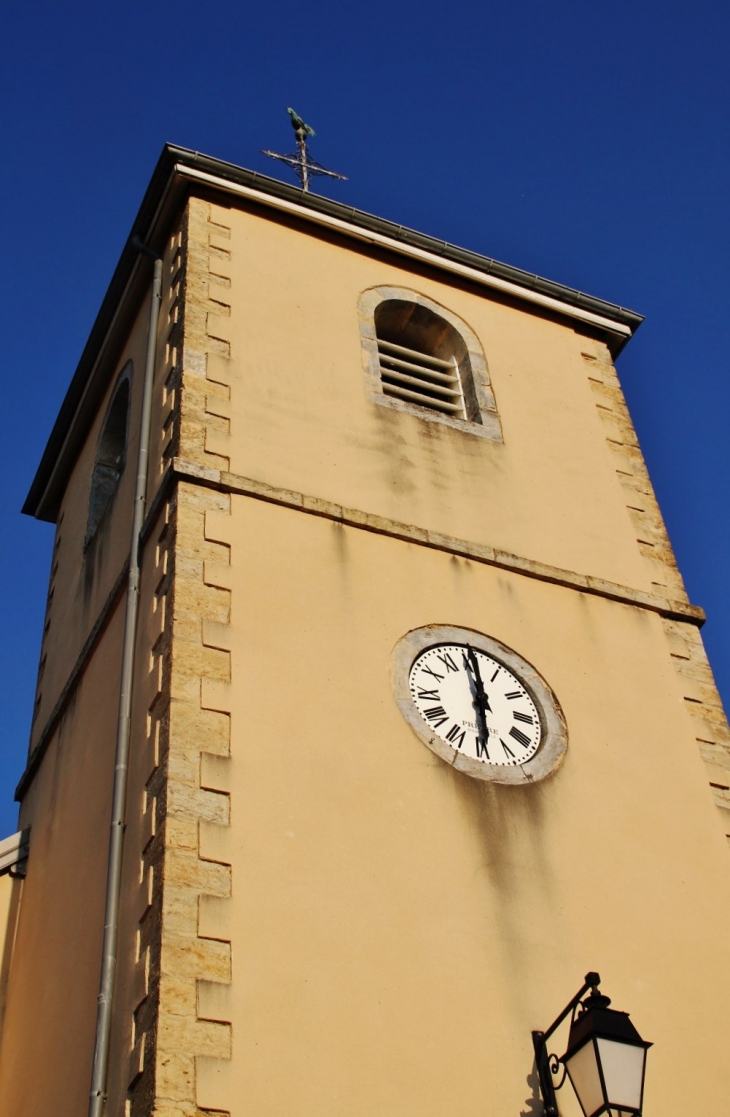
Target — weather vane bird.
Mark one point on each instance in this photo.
(301, 161)
(299, 126)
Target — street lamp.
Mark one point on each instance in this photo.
(605, 1059)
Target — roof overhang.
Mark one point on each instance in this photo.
(179, 171)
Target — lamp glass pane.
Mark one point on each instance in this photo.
(623, 1072)
(583, 1071)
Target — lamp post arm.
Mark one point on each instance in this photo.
(591, 982)
(547, 1064)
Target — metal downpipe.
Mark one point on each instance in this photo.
(100, 1066)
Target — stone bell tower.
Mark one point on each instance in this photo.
(420, 724)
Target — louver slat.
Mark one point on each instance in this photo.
(422, 358)
(418, 384)
(421, 370)
(428, 381)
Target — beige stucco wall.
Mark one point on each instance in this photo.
(53, 981)
(82, 579)
(300, 417)
(48, 1035)
(397, 928)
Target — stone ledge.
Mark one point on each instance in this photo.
(224, 481)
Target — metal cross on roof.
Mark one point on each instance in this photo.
(301, 161)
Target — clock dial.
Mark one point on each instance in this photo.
(475, 704)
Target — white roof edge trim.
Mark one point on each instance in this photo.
(430, 258)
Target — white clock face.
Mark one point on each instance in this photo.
(475, 704)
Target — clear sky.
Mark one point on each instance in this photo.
(585, 142)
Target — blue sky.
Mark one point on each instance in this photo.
(588, 143)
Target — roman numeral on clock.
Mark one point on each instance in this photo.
(519, 736)
(435, 674)
(432, 695)
(456, 735)
(507, 749)
(523, 717)
(482, 748)
(437, 714)
(448, 662)
(514, 694)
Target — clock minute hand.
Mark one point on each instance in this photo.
(479, 699)
(480, 692)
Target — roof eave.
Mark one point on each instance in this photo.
(42, 498)
(176, 168)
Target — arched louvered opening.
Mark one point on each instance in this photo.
(424, 360)
(110, 457)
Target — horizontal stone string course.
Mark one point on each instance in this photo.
(69, 687)
(352, 517)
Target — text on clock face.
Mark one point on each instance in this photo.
(475, 704)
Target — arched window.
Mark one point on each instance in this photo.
(422, 358)
(111, 454)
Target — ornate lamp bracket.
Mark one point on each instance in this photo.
(551, 1069)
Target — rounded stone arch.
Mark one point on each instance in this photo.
(111, 453)
(389, 312)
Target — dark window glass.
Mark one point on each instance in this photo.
(110, 458)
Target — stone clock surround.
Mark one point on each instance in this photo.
(550, 754)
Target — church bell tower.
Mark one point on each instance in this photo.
(365, 634)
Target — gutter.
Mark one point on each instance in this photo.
(444, 261)
(402, 235)
(97, 1097)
